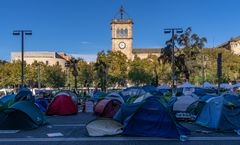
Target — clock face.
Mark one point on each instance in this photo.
(122, 45)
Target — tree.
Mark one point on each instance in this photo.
(117, 68)
(138, 73)
(54, 77)
(101, 68)
(187, 50)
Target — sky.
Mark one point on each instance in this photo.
(83, 26)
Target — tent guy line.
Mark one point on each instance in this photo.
(116, 139)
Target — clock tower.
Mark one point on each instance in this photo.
(122, 35)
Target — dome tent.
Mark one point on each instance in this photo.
(221, 112)
(22, 115)
(152, 118)
(64, 103)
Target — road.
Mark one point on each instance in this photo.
(73, 131)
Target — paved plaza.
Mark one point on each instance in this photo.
(72, 131)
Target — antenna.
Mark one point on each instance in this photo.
(121, 11)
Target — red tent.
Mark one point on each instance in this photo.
(62, 104)
(107, 107)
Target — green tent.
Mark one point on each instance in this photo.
(22, 115)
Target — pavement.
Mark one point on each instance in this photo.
(72, 131)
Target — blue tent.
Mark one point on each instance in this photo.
(98, 95)
(222, 112)
(152, 118)
(126, 111)
(42, 103)
(149, 88)
(24, 94)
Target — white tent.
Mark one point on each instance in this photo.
(184, 102)
(104, 127)
(208, 85)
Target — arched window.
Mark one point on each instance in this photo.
(118, 32)
(122, 32)
(126, 32)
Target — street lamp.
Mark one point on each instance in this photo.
(39, 83)
(167, 31)
(22, 33)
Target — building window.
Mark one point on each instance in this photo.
(46, 62)
(126, 32)
(118, 33)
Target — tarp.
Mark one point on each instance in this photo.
(104, 127)
(152, 118)
(21, 115)
(62, 104)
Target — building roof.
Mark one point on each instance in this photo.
(146, 50)
(226, 44)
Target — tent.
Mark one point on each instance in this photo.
(98, 95)
(132, 91)
(107, 107)
(196, 107)
(104, 127)
(208, 85)
(126, 111)
(24, 94)
(164, 89)
(186, 85)
(143, 97)
(221, 112)
(42, 103)
(7, 101)
(204, 91)
(64, 103)
(225, 86)
(183, 102)
(152, 118)
(21, 115)
(115, 95)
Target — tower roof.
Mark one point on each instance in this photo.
(121, 16)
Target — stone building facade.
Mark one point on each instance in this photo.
(49, 58)
(122, 39)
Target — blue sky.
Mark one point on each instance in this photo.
(83, 26)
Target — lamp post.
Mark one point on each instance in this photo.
(22, 33)
(39, 83)
(167, 31)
